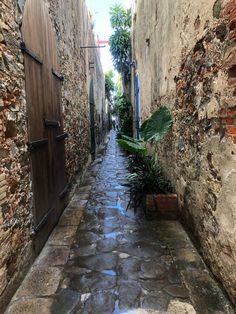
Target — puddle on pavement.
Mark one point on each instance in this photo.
(109, 272)
(118, 206)
(123, 311)
(112, 235)
(121, 208)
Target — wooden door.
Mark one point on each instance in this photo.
(45, 126)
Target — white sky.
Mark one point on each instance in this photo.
(100, 12)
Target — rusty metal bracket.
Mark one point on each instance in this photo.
(26, 50)
(62, 137)
(41, 224)
(36, 144)
(58, 75)
(51, 123)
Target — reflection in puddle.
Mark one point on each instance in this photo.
(121, 208)
(123, 311)
(109, 272)
(118, 206)
(112, 235)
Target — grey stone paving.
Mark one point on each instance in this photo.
(118, 262)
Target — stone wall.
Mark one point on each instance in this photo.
(188, 50)
(97, 77)
(15, 185)
(73, 29)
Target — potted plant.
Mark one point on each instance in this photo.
(148, 184)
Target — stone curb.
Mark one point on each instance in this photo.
(44, 276)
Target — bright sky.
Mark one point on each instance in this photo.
(100, 11)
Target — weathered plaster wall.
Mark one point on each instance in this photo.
(73, 28)
(188, 50)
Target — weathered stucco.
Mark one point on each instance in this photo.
(73, 29)
(188, 50)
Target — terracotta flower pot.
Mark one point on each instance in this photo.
(162, 205)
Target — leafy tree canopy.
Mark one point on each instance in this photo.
(120, 42)
(120, 17)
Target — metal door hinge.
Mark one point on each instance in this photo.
(36, 144)
(58, 76)
(30, 53)
(41, 224)
(61, 137)
(52, 123)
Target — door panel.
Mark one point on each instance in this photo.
(43, 95)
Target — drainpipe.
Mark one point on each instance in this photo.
(137, 105)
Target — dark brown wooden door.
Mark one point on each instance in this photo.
(45, 126)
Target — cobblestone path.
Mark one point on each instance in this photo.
(118, 262)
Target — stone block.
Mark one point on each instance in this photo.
(53, 256)
(212, 108)
(83, 189)
(62, 235)
(2, 177)
(40, 281)
(71, 217)
(205, 292)
(3, 197)
(177, 291)
(65, 301)
(3, 279)
(3, 190)
(188, 258)
(29, 306)
(75, 202)
(177, 307)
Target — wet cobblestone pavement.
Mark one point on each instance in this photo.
(115, 261)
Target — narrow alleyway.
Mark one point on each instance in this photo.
(118, 262)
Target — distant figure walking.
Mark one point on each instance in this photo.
(114, 120)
